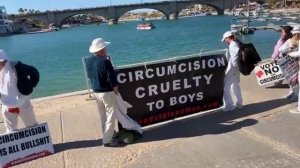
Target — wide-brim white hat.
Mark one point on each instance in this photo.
(227, 34)
(97, 45)
(3, 56)
(296, 29)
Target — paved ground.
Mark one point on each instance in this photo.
(261, 135)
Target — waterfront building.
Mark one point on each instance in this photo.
(4, 24)
(8, 27)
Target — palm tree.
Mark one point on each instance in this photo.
(21, 10)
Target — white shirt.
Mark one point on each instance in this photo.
(286, 46)
(232, 57)
(10, 95)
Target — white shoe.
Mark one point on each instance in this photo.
(228, 109)
(294, 111)
(290, 95)
(239, 106)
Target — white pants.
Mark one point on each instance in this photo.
(298, 108)
(109, 112)
(11, 119)
(232, 82)
(294, 90)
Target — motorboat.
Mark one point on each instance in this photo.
(293, 24)
(145, 26)
(241, 26)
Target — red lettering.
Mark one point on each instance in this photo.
(151, 119)
(164, 116)
(216, 104)
(188, 109)
(146, 121)
(155, 118)
(172, 114)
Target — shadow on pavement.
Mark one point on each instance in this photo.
(278, 86)
(76, 145)
(216, 123)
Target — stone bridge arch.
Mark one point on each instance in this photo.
(63, 17)
(120, 13)
(60, 18)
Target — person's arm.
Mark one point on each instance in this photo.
(276, 52)
(234, 53)
(285, 47)
(112, 76)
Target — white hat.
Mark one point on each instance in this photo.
(296, 29)
(3, 56)
(97, 45)
(227, 34)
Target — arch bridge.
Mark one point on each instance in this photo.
(170, 9)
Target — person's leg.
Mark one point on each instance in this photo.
(228, 102)
(109, 101)
(10, 120)
(237, 92)
(101, 110)
(290, 94)
(27, 115)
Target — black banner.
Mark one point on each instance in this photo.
(165, 90)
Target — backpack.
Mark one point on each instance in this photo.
(28, 77)
(248, 58)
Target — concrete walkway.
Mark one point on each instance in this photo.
(262, 135)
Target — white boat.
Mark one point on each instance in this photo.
(145, 26)
(292, 23)
(291, 17)
(242, 27)
(275, 18)
(43, 31)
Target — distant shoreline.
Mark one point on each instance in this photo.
(285, 10)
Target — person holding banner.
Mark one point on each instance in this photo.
(285, 35)
(296, 54)
(14, 104)
(104, 84)
(289, 46)
(232, 74)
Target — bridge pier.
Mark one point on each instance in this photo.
(173, 16)
(113, 21)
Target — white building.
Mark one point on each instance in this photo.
(4, 23)
(8, 26)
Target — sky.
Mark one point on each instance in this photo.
(12, 6)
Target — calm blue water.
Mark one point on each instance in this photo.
(58, 55)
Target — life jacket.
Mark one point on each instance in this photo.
(27, 77)
(248, 58)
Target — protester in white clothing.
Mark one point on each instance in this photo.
(14, 104)
(297, 55)
(232, 74)
(289, 46)
(105, 86)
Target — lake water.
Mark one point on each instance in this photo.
(58, 55)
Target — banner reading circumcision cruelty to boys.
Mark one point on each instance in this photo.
(162, 90)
